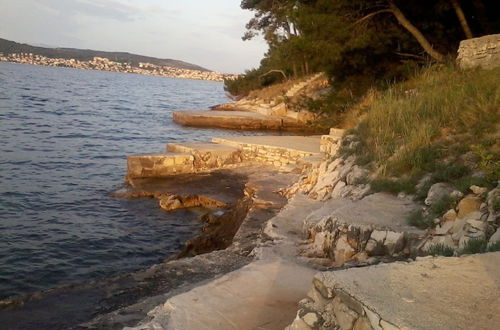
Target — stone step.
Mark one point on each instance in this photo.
(362, 231)
(279, 151)
(200, 147)
(245, 120)
(429, 293)
(208, 155)
(158, 165)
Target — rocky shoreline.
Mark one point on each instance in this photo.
(274, 218)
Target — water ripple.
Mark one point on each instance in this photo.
(65, 135)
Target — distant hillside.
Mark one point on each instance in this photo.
(10, 47)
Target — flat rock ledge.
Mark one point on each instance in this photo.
(237, 120)
(430, 293)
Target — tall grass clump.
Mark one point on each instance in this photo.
(406, 125)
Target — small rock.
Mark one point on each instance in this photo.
(479, 225)
(495, 237)
(311, 319)
(394, 242)
(362, 324)
(478, 190)
(344, 315)
(437, 192)
(450, 215)
(467, 205)
(444, 228)
(456, 195)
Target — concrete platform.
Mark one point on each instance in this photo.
(262, 295)
(236, 120)
(158, 165)
(199, 147)
(303, 144)
(431, 293)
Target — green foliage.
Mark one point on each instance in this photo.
(489, 163)
(403, 125)
(441, 250)
(463, 184)
(474, 246)
(394, 186)
(441, 206)
(449, 172)
(252, 80)
(495, 203)
(494, 247)
(419, 220)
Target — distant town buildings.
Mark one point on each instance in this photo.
(104, 64)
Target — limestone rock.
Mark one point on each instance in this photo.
(437, 192)
(311, 319)
(362, 323)
(494, 214)
(394, 242)
(495, 237)
(344, 315)
(467, 205)
(343, 251)
(478, 190)
(445, 228)
(449, 216)
(356, 175)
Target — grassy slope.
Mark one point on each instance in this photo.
(432, 119)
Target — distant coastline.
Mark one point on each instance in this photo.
(104, 64)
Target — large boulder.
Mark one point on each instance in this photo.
(437, 192)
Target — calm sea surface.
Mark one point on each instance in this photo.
(64, 137)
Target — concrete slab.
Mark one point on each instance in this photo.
(198, 147)
(236, 120)
(308, 144)
(431, 293)
(381, 210)
(262, 295)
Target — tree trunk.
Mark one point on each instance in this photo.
(461, 18)
(422, 40)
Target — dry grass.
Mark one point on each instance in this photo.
(405, 125)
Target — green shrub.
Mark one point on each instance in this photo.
(441, 250)
(463, 184)
(419, 220)
(393, 186)
(443, 205)
(495, 203)
(473, 246)
(494, 247)
(449, 172)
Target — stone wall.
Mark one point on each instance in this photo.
(329, 307)
(276, 156)
(480, 52)
(343, 242)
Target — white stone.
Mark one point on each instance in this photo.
(495, 237)
(373, 318)
(338, 189)
(387, 326)
(458, 225)
(311, 319)
(444, 228)
(478, 190)
(436, 192)
(394, 242)
(479, 225)
(298, 324)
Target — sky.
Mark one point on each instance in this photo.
(202, 32)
